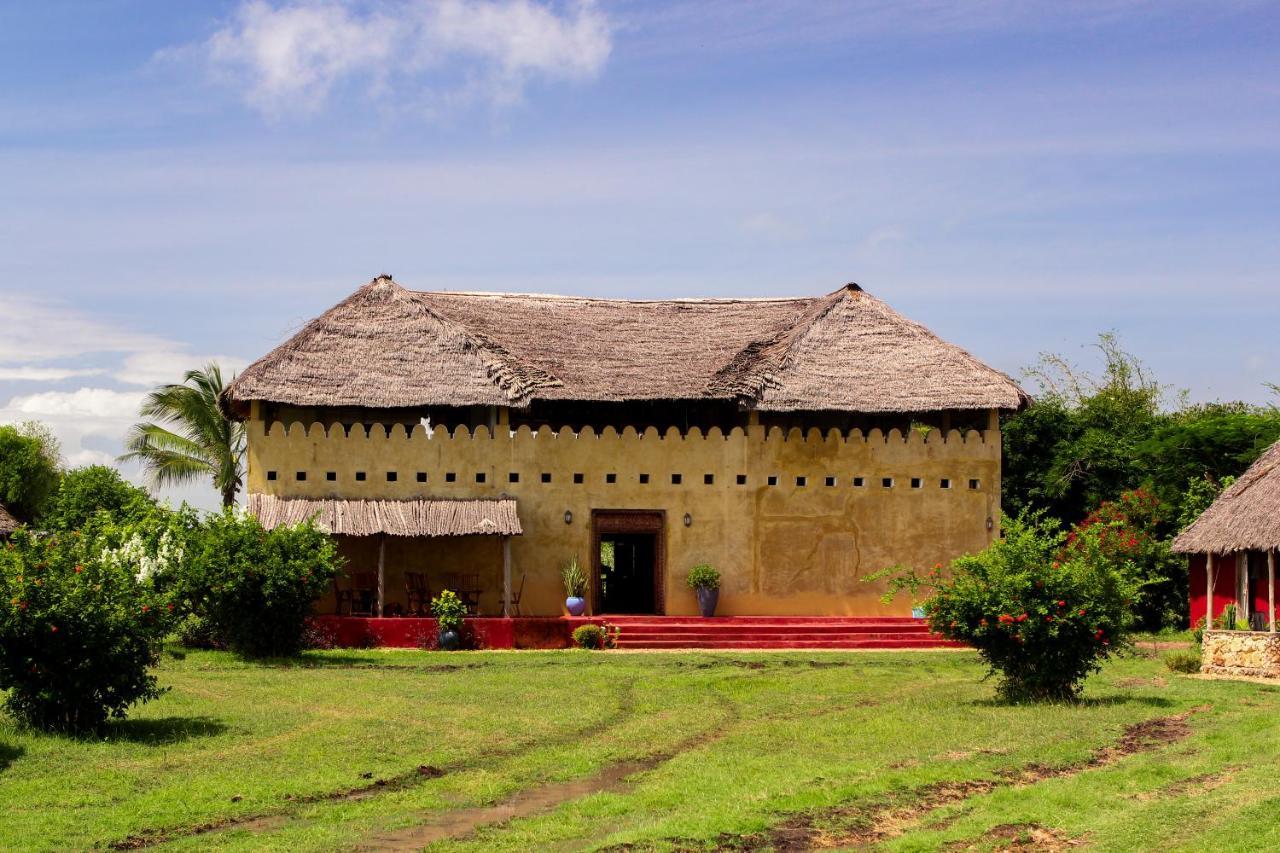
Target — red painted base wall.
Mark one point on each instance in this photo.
(521, 632)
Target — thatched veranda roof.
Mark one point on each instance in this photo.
(387, 347)
(8, 523)
(395, 518)
(1246, 517)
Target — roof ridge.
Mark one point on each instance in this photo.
(711, 300)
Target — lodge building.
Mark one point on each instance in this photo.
(797, 445)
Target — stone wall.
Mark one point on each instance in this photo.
(794, 520)
(1241, 653)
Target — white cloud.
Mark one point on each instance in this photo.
(290, 56)
(44, 374)
(159, 367)
(74, 416)
(36, 331)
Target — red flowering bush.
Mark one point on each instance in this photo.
(1129, 529)
(255, 587)
(1041, 613)
(79, 630)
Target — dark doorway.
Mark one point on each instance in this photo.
(629, 560)
(626, 572)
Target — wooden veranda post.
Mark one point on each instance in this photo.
(382, 569)
(506, 575)
(1208, 588)
(1271, 588)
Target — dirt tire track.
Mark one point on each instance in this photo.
(268, 820)
(872, 823)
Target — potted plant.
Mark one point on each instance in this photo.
(575, 586)
(449, 610)
(705, 581)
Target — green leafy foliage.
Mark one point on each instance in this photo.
(1129, 528)
(1200, 493)
(29, 469)
(1041, 611)
(588, 637)
(91, 489)
(255, 586)
(80, 626)
(596, 637)
(703, 576)
(574, 578)
(1184, 662)
(449, 610)
(1089, 439)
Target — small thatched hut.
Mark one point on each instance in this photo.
(796, 444)
(8, 523)
(1233, 545)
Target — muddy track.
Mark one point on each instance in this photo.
(867, 824)
(265, 821)
(615, 778)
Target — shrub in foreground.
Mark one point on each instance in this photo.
(254, 587)
(78, 632)
(1042, 615)
(596, 637)
(1185, 662)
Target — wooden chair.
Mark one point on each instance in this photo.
(470, 593)
(515, 596)
(364, 593)
(417, 593)
(341, 596)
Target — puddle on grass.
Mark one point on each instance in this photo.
(462, 822)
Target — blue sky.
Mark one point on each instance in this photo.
(181, 181)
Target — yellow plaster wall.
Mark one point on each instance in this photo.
(783, 549)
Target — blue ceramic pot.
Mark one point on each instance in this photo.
(450, 641)
(707, 600)
(575, 606)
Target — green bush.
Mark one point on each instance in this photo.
(1042, 614)
(255, 587)
(86, 491)
(29, 462)
(196, 632)
(1185, 662)
(703, 577)
(589, 637)
(79, 629)
(449, 610)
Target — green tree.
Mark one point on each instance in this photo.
(1205, 443)
(1077, 447)
(93, 488)
(203, 441)
(30, 459)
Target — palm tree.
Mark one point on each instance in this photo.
(203, 442)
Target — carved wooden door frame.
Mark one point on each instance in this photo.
(605, 521)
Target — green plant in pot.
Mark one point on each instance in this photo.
(449, 611)
(704, 580)
(575, 587)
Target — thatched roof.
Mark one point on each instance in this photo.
(387, 347)
(8, 523)
(1246, 517)
(394, 518)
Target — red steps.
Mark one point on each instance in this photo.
(772, 632)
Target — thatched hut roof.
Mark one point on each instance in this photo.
(387, 347)
(8, 523)
(495, 517)
(1246, 517)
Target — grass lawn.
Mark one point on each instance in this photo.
(575, 750)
